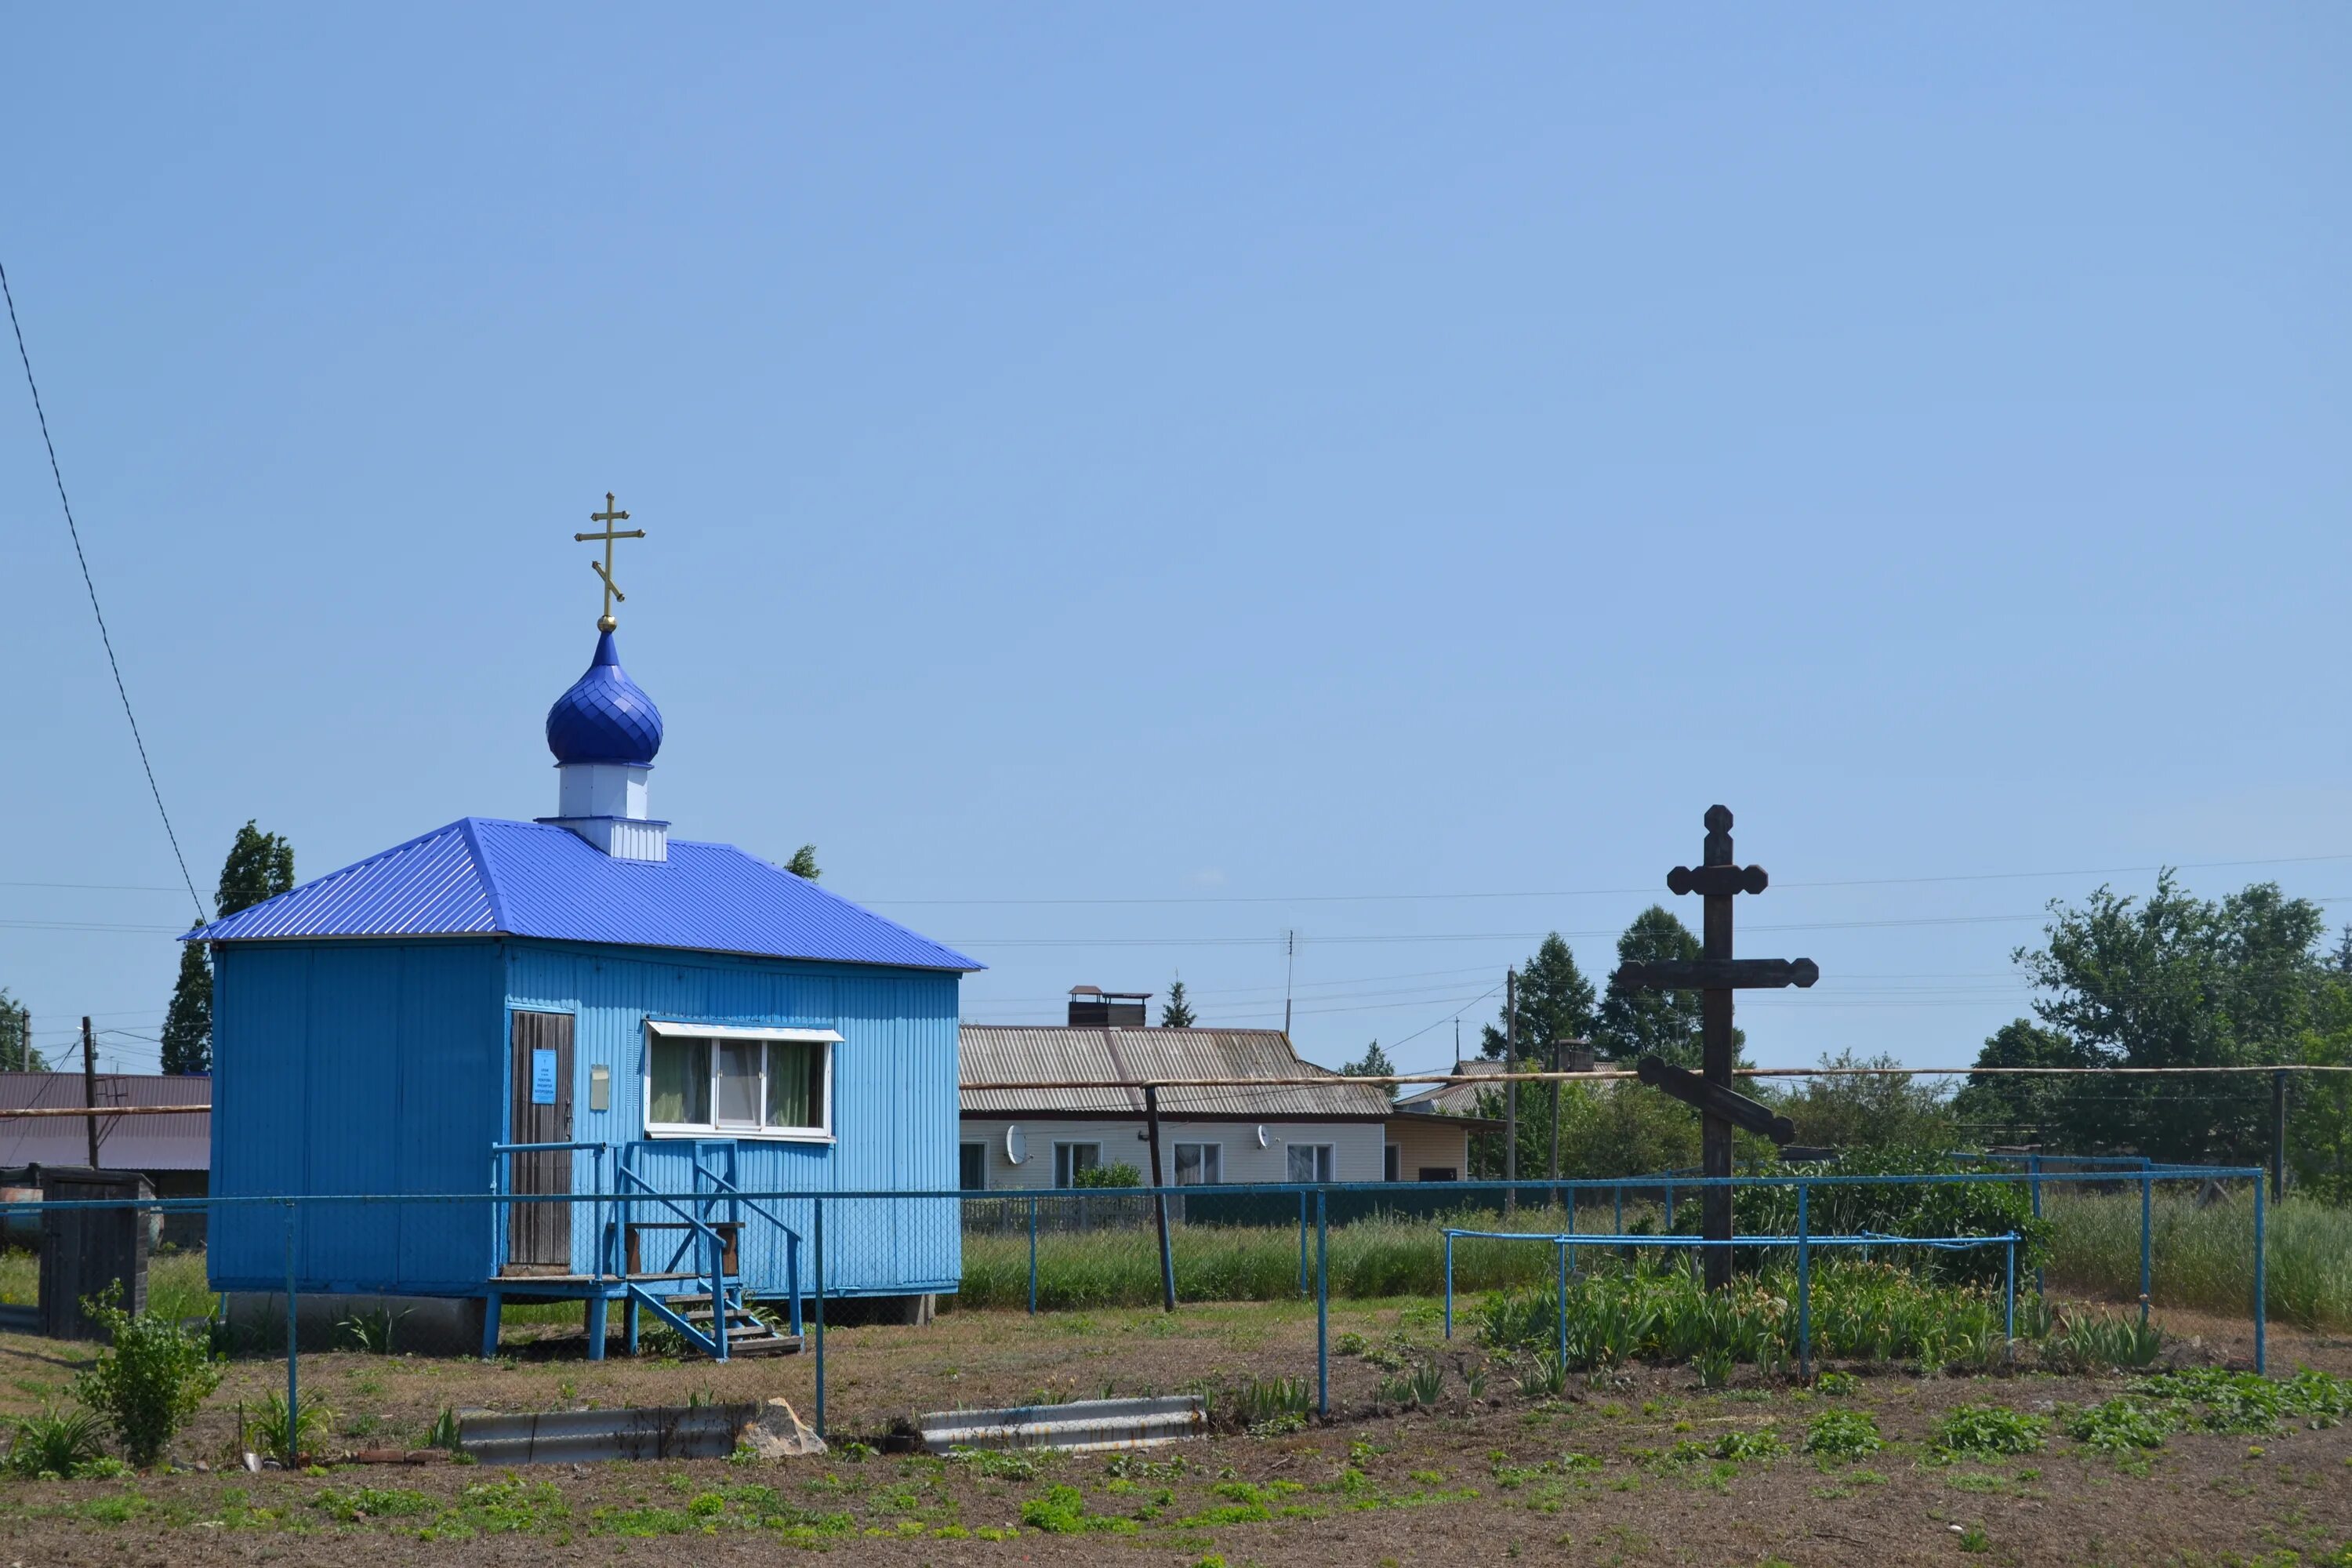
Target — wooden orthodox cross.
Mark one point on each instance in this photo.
(608, 517)
(1715, 976)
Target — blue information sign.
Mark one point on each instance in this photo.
(542, 1077)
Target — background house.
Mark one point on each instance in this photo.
(1335, 1129)
(174, 1153)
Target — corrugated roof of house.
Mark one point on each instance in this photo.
(124, 1142)
(1017, 1054)
(483, 876)
(1454, 1099)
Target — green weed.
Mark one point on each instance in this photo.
(1842, 1435)
(1989, 1429)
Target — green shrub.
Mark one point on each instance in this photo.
(1121, 1175)
(1842, 1435)
(2121, 1426)
(62, 1443)
(150, 1380)
(1989, 1429)
(1989, 1207)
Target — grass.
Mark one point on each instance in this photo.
(2203, 1258)
(176, 1283)
(1368, 1258)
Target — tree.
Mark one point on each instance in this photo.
(1374, 1063)
(2001, 1109)
(188, 1022)
(2178, 980)
(1176, 1013)
(16, 1052)
(1633, 1023)
(2342, 957)
(1555, 1002)
(1891, 1112)
(260, 866)
(803, 862)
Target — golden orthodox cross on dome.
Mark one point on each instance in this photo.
(608, 517)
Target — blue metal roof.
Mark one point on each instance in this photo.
(481, 876)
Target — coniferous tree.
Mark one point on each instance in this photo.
(1555, 1002)
(1176, 1013)
(1633, 1024)
(188, 1023)
(260, 866)
(1374, 1063)
(803, 862)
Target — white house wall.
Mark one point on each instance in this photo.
(1356, 1148)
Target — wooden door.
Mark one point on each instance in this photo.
(539, 1235)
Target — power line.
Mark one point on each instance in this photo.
(89, 583)
(1613, 892)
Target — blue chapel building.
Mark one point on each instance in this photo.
(582, 1004)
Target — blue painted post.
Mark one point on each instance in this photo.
(2146, 1240)
(1620, 1191)
(629, 1321)
(1561, 1343)
(1804, 1284)
(293, 1350)
(1571, 1226)
(2033, 1171)
(1033, 1258)
(817, 1237)
(1449, 1284)
(1322, 1311)
(2262, 1301)
(1302, 1242)
(2009, 1317)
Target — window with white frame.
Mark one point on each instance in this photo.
(702, 1080)
(1310, 1161)
(1072, 1160)
(1199, 1165)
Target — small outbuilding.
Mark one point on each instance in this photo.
(582, 1004)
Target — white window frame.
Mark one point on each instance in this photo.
(1073, 1144)
(1327, 1160)
(1212, 1150)
(658, 1029)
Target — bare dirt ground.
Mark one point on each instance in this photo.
(1625, 1471)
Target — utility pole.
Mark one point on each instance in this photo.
(1511, 1088)
(1159, 1199)
(90, 1088)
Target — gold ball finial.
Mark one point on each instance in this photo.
(606, 622)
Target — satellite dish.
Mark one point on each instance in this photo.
(1263, 1141)
(1016, 1147)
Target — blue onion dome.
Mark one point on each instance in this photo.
(605, 717)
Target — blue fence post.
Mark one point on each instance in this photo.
(2147, 1240)
(1033, 1258)
(1804, 1285)
(293, 1350)
(1302, 1241)
(1571, 1226)
(1322, 1311)
(1449, 1284)
(2033, 1171)
(2262, 1303)
(1561, 1343)
(817, 1241)
(2009, 1318)
(1620, 1227)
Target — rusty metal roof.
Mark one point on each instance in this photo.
(1019, 1054)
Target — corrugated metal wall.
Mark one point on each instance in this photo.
(355, 1067)
(381, 1066)
(894, 1085)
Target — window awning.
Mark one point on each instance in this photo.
(736, 1031)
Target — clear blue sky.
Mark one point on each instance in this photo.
(1223, 458)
